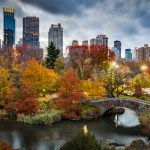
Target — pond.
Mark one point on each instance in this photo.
(34, 137)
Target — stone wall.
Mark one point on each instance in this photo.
(134, 104)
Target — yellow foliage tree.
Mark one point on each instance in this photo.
(41, 78)
(5, 84)
(93, 89)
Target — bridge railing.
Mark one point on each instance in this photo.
(122, 99)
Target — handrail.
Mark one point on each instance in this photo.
(122, 99)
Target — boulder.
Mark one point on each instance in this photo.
(114, 142)
(137, 145)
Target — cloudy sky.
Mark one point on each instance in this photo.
(124, 20)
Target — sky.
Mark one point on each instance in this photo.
(124, 20)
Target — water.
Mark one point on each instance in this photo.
(51, 138)
(128, 119)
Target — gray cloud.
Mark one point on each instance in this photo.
(66, 7)
(125, 20)
(14, 4)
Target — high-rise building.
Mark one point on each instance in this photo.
(116, 51)
(102, 40)
(9, 26)
(93, 42)
(55, 35)
(143, 53)
(117, 44)
(8, 37)
(31, 32)
(85, 42)
(74, 43)
(128, 54)
(20, 42)
(134, 54)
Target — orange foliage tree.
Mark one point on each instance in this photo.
(38, 76)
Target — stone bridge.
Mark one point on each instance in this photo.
(134, 104)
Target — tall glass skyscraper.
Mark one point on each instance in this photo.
(9, 26)
(31, 32)
(55, 35)
(117, 44)
(128, 54)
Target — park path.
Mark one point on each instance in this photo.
(47, 97)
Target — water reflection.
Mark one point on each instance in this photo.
(128, 119)
(51, 138)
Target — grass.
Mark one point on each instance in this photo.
(46, 117)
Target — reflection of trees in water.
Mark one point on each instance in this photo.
(51, 136)
(107, 126)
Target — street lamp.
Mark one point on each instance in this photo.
(144, 67)
(113, 63)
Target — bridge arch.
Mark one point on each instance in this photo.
(134, 104)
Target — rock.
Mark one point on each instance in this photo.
(137, 145)
(114, 142)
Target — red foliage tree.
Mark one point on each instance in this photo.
(100, 55)
(70, 104)
(70, 97)
(78, 57)
(22, 100)
(27, 106)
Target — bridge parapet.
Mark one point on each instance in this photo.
(134, 104)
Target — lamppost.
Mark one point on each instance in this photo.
(44, 92)
(113, 67)
(144, 68)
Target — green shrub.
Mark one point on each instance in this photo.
(44, 117)
(90, 112)
(82, 141)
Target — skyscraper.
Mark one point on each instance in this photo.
(102, 40)
(93, 42)
(143, 53)
(128, 54)
(31, 32)
(85, 42)
(117, 44)
(75, 43)
(9, 26)
(134, 54)
(55, 35)
(116, 51)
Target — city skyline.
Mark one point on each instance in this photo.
(123, 21)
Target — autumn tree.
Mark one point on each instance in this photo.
(38, 76)
(5, 84)
(70, 83)
(3, 62)
(93, 89)
(100, 56)
(116, 80)
(59, 66)
(8, 53)
(52, 55)
(79, 59)
(70, 95)
(22, 100)
(141, 81)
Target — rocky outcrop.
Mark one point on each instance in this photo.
(138, 145)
